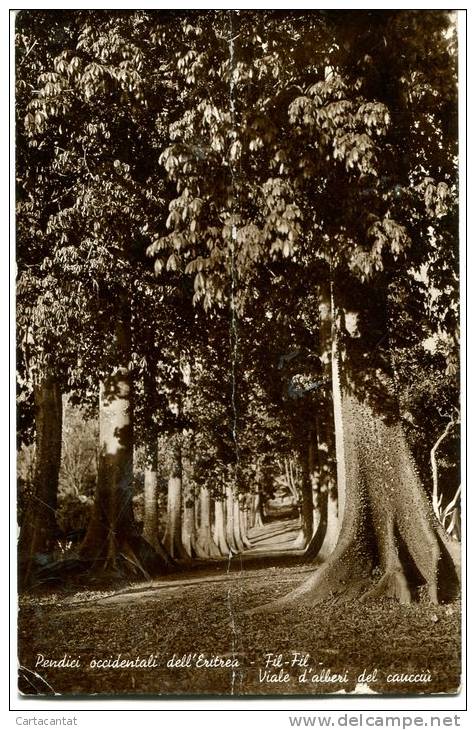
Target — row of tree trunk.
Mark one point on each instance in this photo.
(197, 526)
(384, 518)
(202, 528)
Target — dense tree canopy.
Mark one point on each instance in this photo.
(239, 230)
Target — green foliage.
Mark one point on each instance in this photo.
(236, 160)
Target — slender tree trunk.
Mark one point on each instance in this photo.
(188, 526)
(219, 532)
(196, 516)
(315, 470)
(257, 520)
(243, 525)
(230, 511)
(172, 539)
(337, 403)
(252, 512)
(151, 516)
(289, 473)
(237, 526)
(39, 529)
(151, 526)
(327, 527)
(205, 547)
(316, 505)
(436, 498)
(308, 460)
(331, 533)
(307, 516)
(387, 522)
(150, 489)
(150, 530)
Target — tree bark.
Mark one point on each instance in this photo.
(219, 532)
(387, 523)
(325, 536)
(112, 541)
(258, 518)
(255, 512)
(172, 539)
(237, 525)
(288, 468)
(151, 516)
(188, 525)
(243, 514)
(151, 526)
(230, 510)
(150, 531)
(39, 529)
(307, 512)
(329, 320)
(306, 531)
(316, 505)
(205, 546)
(331, 532)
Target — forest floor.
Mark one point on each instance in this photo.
(188, 634)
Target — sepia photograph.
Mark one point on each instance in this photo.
(237, 249)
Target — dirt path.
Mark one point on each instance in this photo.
(198, 615)
(177, 622)
(274, 536)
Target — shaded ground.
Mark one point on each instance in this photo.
(183, 617)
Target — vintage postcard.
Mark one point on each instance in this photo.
(237, 318)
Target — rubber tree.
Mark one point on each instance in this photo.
(172, 539)
(150, 530)
(188, 523)
(39, 530)
(205, 545)
(219, 527)
(44, 350)
(112, 532)
(381, 482)
(342, 206)
(100, 158)
(235, 547)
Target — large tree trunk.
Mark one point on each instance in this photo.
(112, 541)
(39, 529)
(387, 523)
(172, 539)
(330, 530)
(237, 526)
(205, 545)
(219, 530)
